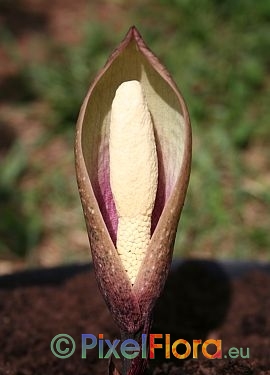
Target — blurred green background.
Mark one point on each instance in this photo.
(217, 52)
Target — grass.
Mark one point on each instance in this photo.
(218, 54)
(20, 221)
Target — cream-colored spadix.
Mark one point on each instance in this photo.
(133, 173)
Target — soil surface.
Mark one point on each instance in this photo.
(199, 302)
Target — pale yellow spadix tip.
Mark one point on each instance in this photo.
(133, 173)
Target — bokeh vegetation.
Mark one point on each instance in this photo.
(218, 53)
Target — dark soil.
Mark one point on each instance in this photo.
(200, 302)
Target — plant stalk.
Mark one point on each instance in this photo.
(137, 365)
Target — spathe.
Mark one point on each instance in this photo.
(131, 306)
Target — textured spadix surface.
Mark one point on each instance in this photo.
(133, 173)
(132, 60)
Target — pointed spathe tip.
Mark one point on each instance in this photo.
(133, 33)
